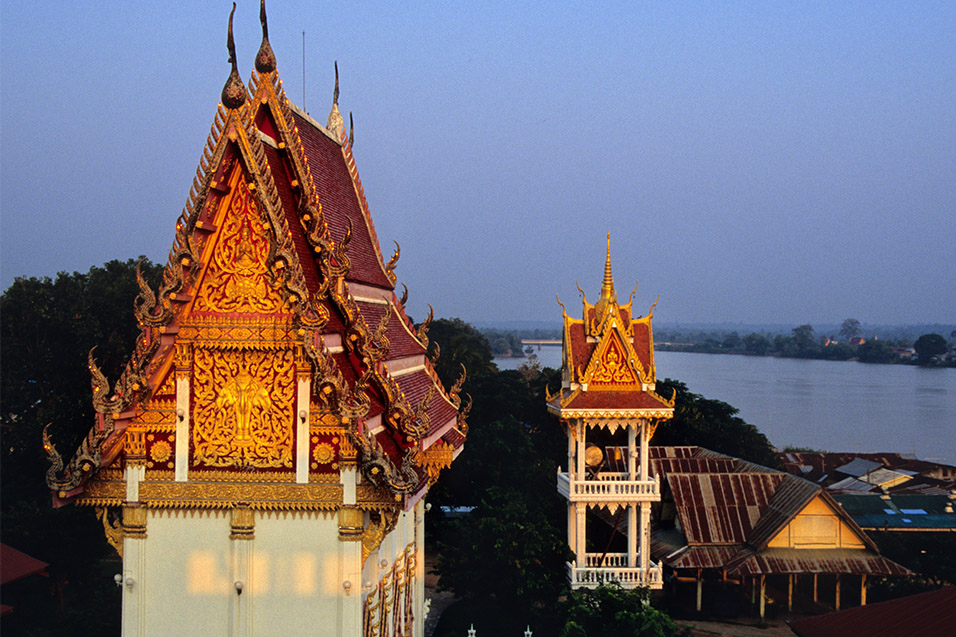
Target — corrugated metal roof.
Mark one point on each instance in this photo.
(858, 467)
(784, 560)
(721, 508)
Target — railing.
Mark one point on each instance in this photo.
(627, 577)
(605, 560)
(609, 488)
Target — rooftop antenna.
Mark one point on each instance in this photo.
(303, 72)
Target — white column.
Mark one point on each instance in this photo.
(580, 534)
(349, 566)
(579, 470)
(631, 451)
(633, 532)
(644, 451)
(134, 570)
(241, 571)
(420, 569)
(182, 426)
(645, 535)
(304, 386)
(572, 526)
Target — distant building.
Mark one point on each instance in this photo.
(261, 463)
(871, 472)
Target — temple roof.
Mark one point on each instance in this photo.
(608, 360)
(276, 257)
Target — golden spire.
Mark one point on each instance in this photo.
(234, 92)
(265, 58)
(608, 296)
(607, 288)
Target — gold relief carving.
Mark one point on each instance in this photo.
(351, 522)
(112, 528)
(321, 422)
(168, 387)
(370, 496)
(437, 457)
(160, 451)
(135, 447)
(279, 497)
(347, 451)
(323, 453)
(381, 523)
(614, 369)
(243, 408)
(134, 521)
(183, 357)
(242, 523)
(237, 279)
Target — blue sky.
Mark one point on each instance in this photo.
(753, 162)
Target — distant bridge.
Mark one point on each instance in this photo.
(540, 341)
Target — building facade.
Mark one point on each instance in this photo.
(606, 401)
(261, 463)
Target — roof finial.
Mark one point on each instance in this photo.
(265, 58)
(351, 131)
(234, 92)
(336, 124)
(607, 288)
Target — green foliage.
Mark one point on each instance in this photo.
(48, 327)
(756, 344)
(459, 344)
(803, 341)
(875, 352)
(610, 611)
(849, 329)
(929, 345)
(712, 424)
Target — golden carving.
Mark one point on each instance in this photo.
(381, 523)
(323, 453)
(242, 523)
(614, 369)
(437, 457)
(243, 408)
(259, 496)
(237, 279)
(112, 528)
(160, 451)
(134, 521)
(351, 522)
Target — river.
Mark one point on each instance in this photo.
(829, 405)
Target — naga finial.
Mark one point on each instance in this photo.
(404, 298)
(351, 131)
(265, 58)
(584, 296)
(390, 267)
(630, 297)
(564, 310)
(335, 124)
(234, 92)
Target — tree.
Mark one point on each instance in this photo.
(929, 345)
(756, 344)
(874, 351)
(712, 424)
(849, 329)
(610, 611)
(48, 328)
(803, 339)
(458, 343)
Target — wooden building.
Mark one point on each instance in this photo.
(261, 463)
(724, 519)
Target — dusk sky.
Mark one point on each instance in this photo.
(753, 161)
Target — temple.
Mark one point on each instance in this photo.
(260, 464)
(608, 407)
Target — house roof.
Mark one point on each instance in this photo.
(727, 511)
(275, 251)
(929, 614)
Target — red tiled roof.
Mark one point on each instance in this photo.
(340, 204)
(596, 399)
(16, 565)
(400, 342)
(931, 614)
(415, 387)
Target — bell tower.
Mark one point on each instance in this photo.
(609, 410)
